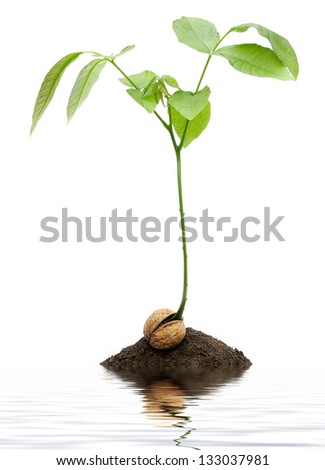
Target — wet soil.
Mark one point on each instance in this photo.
(197, 351)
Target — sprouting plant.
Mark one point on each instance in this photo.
(186, 113)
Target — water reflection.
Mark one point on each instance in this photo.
(168, 395)
(166, 401)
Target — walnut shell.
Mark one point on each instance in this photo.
(161, 333)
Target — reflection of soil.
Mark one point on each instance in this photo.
(168, 395)
(193, 383)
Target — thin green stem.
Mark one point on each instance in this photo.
(203, 73)
(179, 314)
(171, 132)
(123, 73)
(164, 123)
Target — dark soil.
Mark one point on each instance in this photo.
(196, 351)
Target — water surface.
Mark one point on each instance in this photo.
(49, 408)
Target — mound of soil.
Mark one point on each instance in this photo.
(197, 351)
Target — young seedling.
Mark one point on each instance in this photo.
(186, 113)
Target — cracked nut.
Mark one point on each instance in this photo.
(162, 333)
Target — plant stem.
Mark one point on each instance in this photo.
(166, 126)
(203, 73)
(208, 60)
(179, 314)
(178, 148)
(123, 73)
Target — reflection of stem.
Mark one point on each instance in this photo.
(184, 421)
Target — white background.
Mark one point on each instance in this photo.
(67, 303)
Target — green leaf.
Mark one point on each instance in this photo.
(194, 127)
(171, 81)
(162, 87)
(189, 104)
(197, 33)
(156, 90)
(140, 80)
(122, 52)
(255, 60)
(280, 45)
(83, 85)
(49, 85)
(148, 100)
